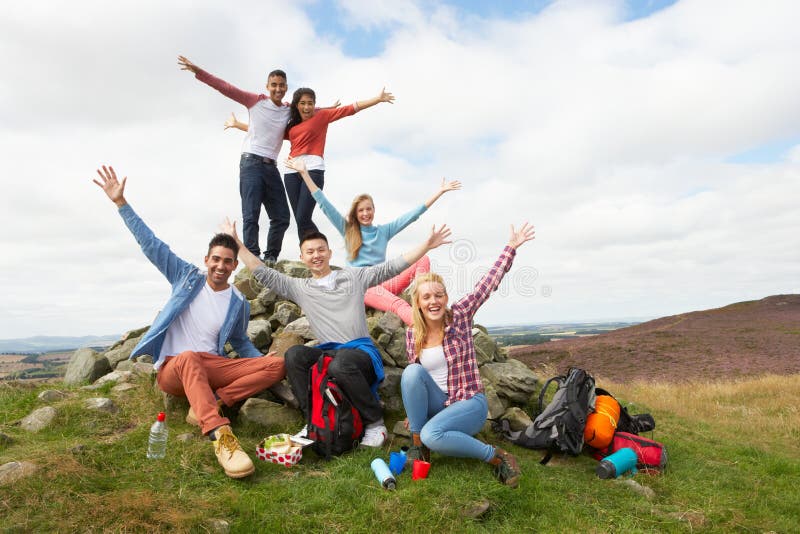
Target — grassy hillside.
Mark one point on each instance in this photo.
(733, 449)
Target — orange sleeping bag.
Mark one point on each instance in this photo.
(602, 423)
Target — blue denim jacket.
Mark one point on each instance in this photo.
(187, 281)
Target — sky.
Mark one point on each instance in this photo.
(655, 145)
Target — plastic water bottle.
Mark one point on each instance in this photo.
(157, 445)
(383, 474)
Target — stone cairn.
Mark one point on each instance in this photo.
(277, 324)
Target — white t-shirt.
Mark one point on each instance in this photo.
(328, 281)
(197, 327)
(432, 360)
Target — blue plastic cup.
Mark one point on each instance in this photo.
(397, 461)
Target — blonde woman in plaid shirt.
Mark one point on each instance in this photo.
(442, 389)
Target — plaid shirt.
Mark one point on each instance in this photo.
(463, 378)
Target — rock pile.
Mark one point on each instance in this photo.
(277, 324)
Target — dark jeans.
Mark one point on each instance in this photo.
(352, 369)
(260, 184)
(301, 200)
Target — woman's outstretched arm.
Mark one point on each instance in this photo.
(383, 96)
(444, 188)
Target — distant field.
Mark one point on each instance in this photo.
(12, 358)
(55, 357)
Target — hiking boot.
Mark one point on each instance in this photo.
(507, 471)
(418, 452)
(374, 435)
(231, 457)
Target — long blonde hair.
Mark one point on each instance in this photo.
(419, 325)
(352, 228)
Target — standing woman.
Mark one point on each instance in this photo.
(366, 243)
(442, 389)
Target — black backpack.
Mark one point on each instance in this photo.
(333, 423)
(559, 427)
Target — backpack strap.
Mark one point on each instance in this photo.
(559, 380)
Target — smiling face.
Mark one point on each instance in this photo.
(277, 87)
(365, 212)
(316, 255)
(432, 302)
(220, 262)
(306, 106)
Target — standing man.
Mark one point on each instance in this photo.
(188, 336)
(333, 301)
(259, 179)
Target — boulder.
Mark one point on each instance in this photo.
(283, 392)
(38, 419)
(374, 330)
(122, 388)
(142, 369)
(517, 418)
(113, 376)
(397, 349)
(249, 287)
(260, 333)
(121, 353)
(86, 365)
(284, 340)
(266, 413)
(267, 298)
(51, 395)
(144, 358)
(511, 380)
(497, 405)
(400, 429)
(125, 365)
(285, 313)
(257, 308)
(13, 471)
(101, 404)
(301, 328)
(389, 390)
(389, 322)
(485, 347)
(295, 269)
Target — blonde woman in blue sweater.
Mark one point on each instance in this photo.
(366, 242)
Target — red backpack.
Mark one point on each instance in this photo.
(334, 425)
(650, 455)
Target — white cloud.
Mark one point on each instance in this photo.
(609, 136)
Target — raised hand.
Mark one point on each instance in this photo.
(449, 186)
(113, 188)
(187, 65)
(523, 235)
(231, 121)
(229, 227)
(296, 164)
(438, 237)
(385, 96)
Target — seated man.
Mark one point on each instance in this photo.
(333, 301)
(188, 336)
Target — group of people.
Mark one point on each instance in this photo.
(441, 387)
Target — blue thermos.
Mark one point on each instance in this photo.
(617, 464)
(383, 474)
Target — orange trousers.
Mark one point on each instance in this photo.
(199, 376)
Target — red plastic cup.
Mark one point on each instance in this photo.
(420, 469)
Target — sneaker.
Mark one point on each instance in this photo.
(231, 457)
(374, 435)
(420, 452)
(507, 471)
(269, 261)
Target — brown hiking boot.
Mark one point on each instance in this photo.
(507, 471)
(230, 455)
(418, 452)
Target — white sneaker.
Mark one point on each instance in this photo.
(374, 435)
(302, 434)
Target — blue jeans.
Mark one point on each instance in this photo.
(446, 430)
(301, 200)
(260, 184)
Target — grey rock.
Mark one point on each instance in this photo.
(142, 369)
(383, 339)
(497, 405)
(282, 391)
(312, 343)
(257, 308)
(400, 429)
(78, 449)
(267, 297)
(5, 439)
(374, 330)
(249, 286)
(85, 365)
(13, 471)
(512, 380)
(38, 419)
(121, 353)
(218, 526)
(283, 341)
(485, 347)
(301, 328)
(397, 349)
(101, 404)
(389, 322)
(388, 361)
(122, 388)
(266, 413)
(480, 328)
(389, 390)
(477, 509)
(144, 358)
(186, 436)
(51, 395)
(517, 418)
(285, 313)
(124, 365)
(644, 491)
(295, 269)
(260, 333)
(502, 354)
(113, 376)
(171, 402)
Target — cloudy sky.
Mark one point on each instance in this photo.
(655, 145)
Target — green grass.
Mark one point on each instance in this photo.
(713, 482)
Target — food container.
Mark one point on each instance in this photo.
(279, 449)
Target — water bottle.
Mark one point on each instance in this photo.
(617, 464)
(157, 445)
(383, 474)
